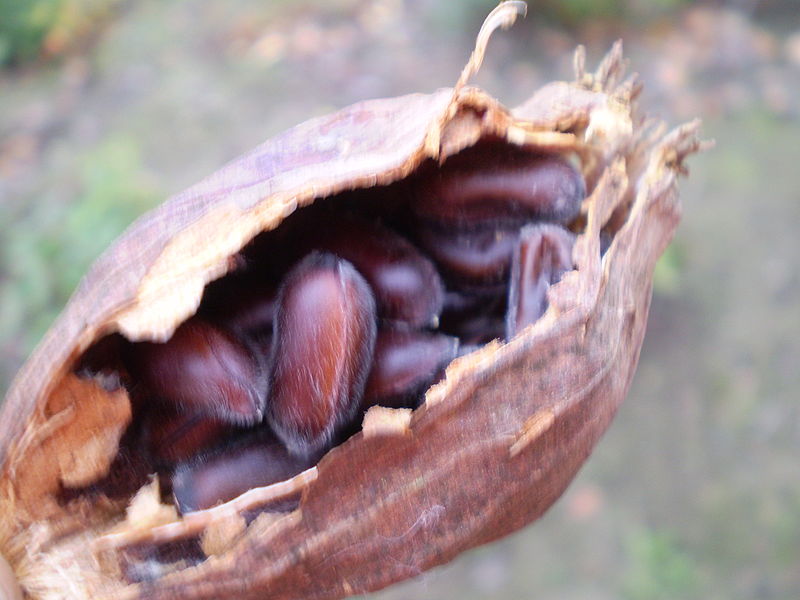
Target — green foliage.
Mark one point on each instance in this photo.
(23, 26)
(659, 568)
(46, 249)
(29, 26)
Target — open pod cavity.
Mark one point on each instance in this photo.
(492, 446)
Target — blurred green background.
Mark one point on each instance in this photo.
(109, 106)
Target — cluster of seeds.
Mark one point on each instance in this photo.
(356, 301)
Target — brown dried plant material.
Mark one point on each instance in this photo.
(80, 439)
(492, 447)
(9, 589)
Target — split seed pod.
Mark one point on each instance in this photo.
(414, 488)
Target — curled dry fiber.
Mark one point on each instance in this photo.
(491, 448)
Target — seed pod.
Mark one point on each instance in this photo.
(223, 476)
(324, 337)
(491, 449)
(202, 370)
(543, 255)
(406, 363)
(500, 184)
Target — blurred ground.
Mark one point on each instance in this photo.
(695, 490)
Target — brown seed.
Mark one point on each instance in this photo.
(172, 437)
(406, 363)
(324, 338)
(202, 369)
(500, 185)
(543, 255)
(406, 284)
(476, 256)
(210, 480)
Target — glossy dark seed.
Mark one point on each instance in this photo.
(324, 338)
(202, 369)
(543, 255)
(172, 437)
(406, 364)
(406, 285)
(502, 185)
(211, 480)
(477, 256)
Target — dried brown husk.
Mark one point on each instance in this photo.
(492, 447)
